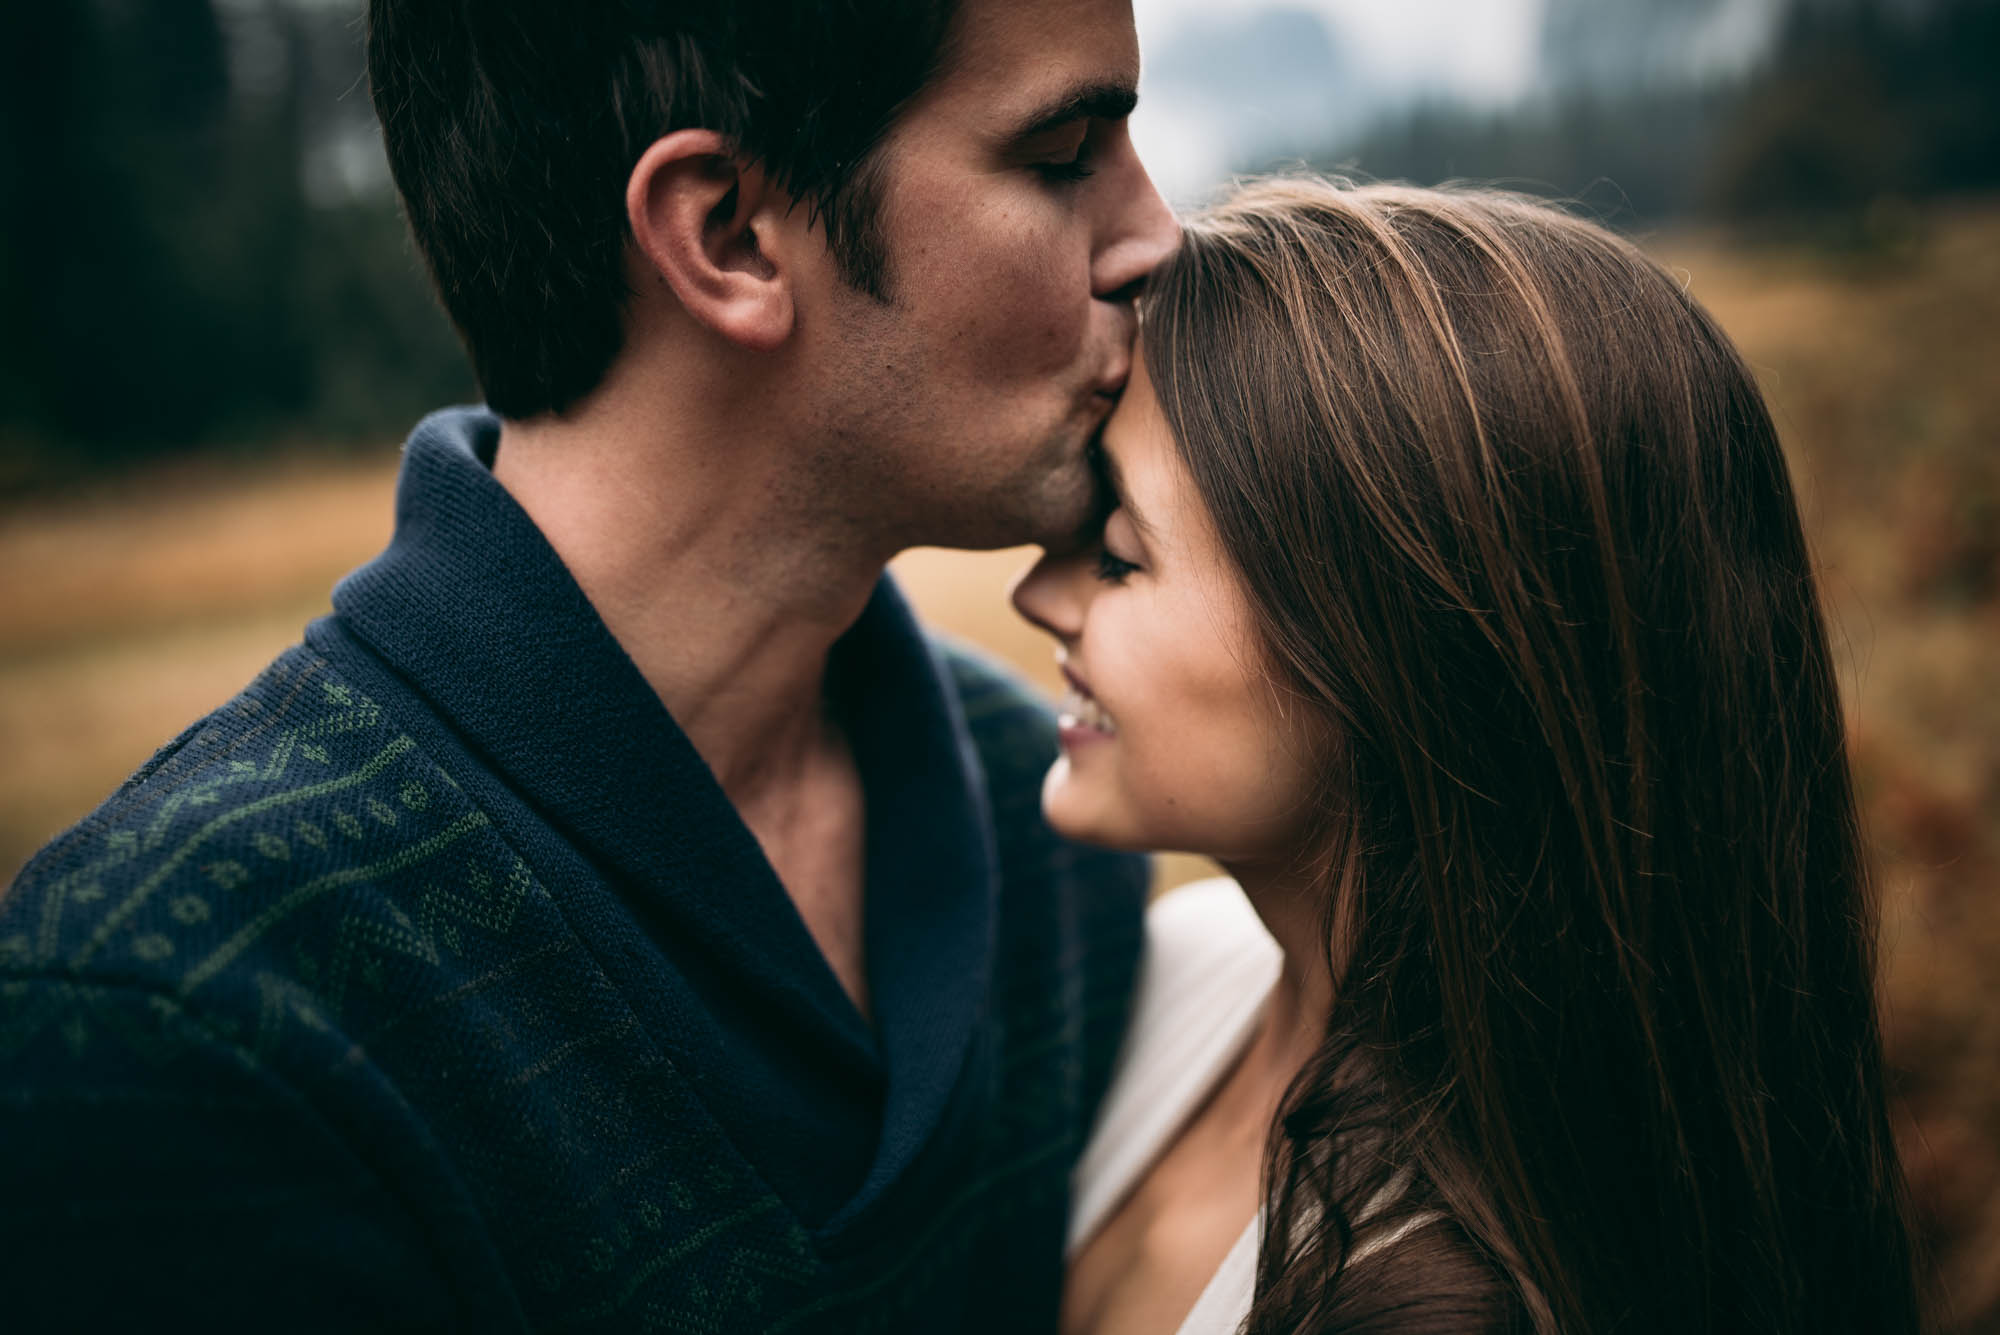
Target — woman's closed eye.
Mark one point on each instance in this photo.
(1113, 569)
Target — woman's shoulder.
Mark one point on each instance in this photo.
(1207, 926)
(1208, 967)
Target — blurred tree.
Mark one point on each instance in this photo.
(1865, 100)
(107, 112)
(164, 278)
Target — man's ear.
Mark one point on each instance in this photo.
(704, 221)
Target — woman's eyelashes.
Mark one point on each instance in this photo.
(1113, 569)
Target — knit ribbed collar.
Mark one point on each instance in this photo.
(474, 609)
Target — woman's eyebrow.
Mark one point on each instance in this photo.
(1114, 480)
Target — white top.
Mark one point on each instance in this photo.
(1208, 969)
(1209, 966)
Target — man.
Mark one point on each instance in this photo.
(617, 914)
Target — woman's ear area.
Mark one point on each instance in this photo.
(705, 222)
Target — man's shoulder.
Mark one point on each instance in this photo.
(300, 787)
(187, 978)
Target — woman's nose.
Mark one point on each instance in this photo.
(1048, 595)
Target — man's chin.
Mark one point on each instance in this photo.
(1054, 500)
(1059, 507)
(1071, 515)
(1077, 492)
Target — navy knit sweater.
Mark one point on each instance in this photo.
(434, 983)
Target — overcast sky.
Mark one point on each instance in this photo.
(1483, 48)
(1481, 51)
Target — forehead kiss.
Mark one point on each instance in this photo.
(1019, 225)
(1172, 734)
(1145, 485)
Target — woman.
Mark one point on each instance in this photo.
(1456, 602)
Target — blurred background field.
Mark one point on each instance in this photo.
(212, 337)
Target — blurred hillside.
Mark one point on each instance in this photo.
(1828, 116)
(1612, 47)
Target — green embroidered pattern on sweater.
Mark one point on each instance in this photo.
(297, 877)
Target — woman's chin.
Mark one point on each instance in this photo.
(1080, 810)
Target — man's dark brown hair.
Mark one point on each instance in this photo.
(513, 125)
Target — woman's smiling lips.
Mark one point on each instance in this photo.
(1080, 718)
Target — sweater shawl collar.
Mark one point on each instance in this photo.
(474, 610)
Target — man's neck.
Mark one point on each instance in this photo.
(702, 560)
(699, 551)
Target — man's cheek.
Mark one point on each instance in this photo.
(1055, 331)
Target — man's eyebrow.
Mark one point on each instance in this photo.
(1098, 101)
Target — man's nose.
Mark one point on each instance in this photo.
(1144, 233)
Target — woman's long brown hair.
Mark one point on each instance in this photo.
(1514, 519)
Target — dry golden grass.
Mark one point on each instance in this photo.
(126, 614)
(184, 548)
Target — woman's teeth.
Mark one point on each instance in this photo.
(1079, 709)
